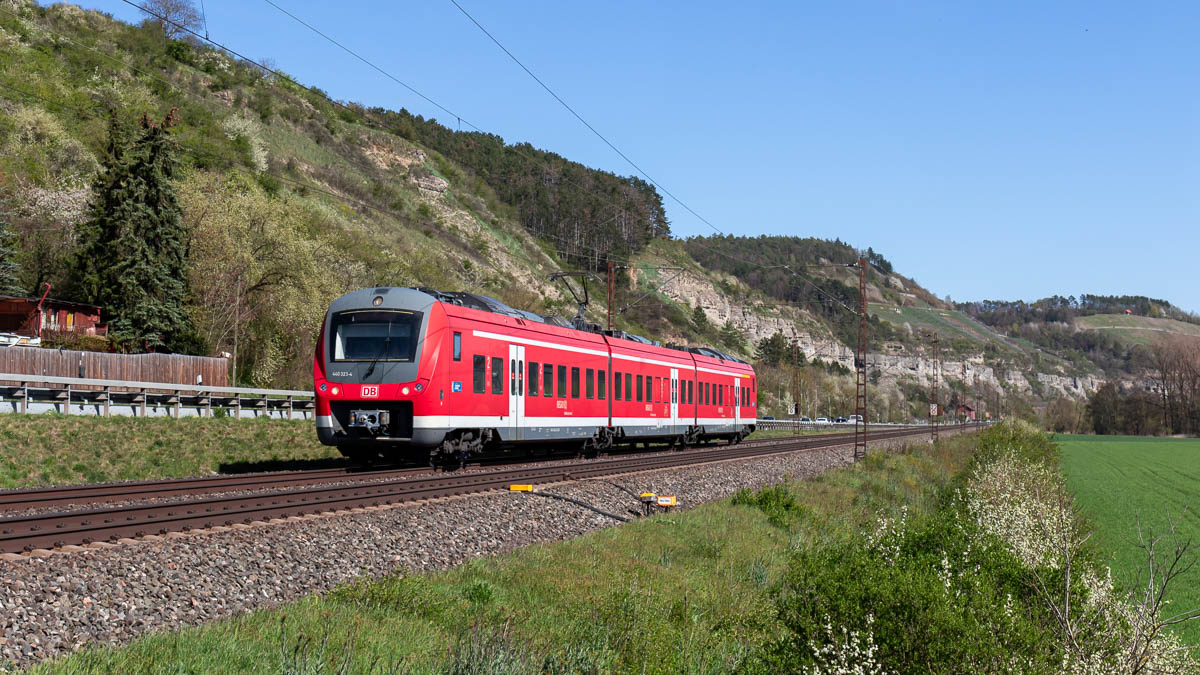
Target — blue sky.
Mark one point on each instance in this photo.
(989, 150)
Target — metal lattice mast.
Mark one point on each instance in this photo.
(860, 366)
(962, 405)
(935, 392)
(796, 388)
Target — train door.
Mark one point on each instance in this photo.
(674, 400)
(516, 391)
(737, 402)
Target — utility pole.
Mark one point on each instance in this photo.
(796, 388)
(935, 392)
(612, 295)
(860, 366)
(963, 399)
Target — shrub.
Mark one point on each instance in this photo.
(776, 501)
(929, 598)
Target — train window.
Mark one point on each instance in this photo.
(704, 393)
(497, 375)
(574, 381)
(375, 335)
(590, 383)
(720, 394)
(562, 381)
(658, 393)
(600, 384)
(628, 386)
(674, 383)
(458, 346)
(649, 389)
(689, 392)
(617, 386)
(548, 380)
(479, 379)
(533, 378)
(639, 388)
(513, 369)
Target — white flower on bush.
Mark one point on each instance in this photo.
(846, 652)
(236, 126)
(1020, 503)
(887, 535)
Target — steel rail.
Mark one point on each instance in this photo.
(93, 493)
(27, 498)
(49, 530)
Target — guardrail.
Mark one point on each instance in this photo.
(85, 396)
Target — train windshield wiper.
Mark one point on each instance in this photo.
(386, 343)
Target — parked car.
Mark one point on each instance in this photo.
(841, 420)
(822, 420)
(805, 420)
(768, 418)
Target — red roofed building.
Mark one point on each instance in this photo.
(22, 320)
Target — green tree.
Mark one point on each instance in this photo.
(132, 259)
(1104, 407)
(10, 271)
(732, 338)
(700, 320)
(775, 350)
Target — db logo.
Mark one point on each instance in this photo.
(370, 391)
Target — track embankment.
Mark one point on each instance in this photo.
(52, 604)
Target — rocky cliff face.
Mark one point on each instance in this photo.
(757, 320)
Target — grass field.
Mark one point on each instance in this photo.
(1121, 480)
(64, 449)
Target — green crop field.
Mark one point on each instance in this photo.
(1119, 481)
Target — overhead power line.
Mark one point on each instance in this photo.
(383, 72)
(585, 123)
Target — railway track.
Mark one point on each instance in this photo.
(49, 530)
(95, 493)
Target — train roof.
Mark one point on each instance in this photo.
(488, 304)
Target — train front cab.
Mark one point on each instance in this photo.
(375, 372)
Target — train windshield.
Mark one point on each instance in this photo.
(369, 335)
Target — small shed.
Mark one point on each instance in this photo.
(29, 317)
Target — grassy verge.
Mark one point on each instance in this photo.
(692, 591)
(1121, 482)
(59, 449)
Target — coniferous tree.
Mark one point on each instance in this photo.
(700, 319)
(10, 271)
(132, 260)
(731, 337)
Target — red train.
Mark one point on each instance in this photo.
(399, 372)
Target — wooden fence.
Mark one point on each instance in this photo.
(165, 368)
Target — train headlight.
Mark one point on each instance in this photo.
(324, 386)
(419, 387)
(334, 391)
(377, 301)
(404, 391)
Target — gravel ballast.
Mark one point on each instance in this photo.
(50, 606)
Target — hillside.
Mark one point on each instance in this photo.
(289, 199)
(1137, 330)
